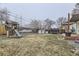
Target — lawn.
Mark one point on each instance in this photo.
(35, 45)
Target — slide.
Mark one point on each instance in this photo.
(17, 33)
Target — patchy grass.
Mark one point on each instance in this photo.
(35, 45)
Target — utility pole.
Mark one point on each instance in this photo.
(21, 23)
(21, 20)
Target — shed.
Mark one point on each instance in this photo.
(3, 27)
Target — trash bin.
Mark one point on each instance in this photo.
(68, 33)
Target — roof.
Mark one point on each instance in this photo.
(12, 22)
(9, 22)
(75, 18)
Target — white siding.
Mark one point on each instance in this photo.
(77, 27)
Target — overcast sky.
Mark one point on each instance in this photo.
(39, 11)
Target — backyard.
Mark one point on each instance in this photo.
(35, 45)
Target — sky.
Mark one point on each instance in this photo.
(38, 11)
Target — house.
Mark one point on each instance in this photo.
(75, 20)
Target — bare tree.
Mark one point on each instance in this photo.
(77, 5)
(76, 9)
(42, 25)
(49, 23)
(60, 21)
(4, 14)
(35, 24)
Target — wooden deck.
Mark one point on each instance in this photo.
(72, 37)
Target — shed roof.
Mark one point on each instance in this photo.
(9, 22)
(12, 22)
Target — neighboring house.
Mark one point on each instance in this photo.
(28, 28)
(42, 31)
(75, 25)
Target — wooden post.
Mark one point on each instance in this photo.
(60, 30)
(7, 33)
(68, 22)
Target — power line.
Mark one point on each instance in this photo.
(11, 15)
